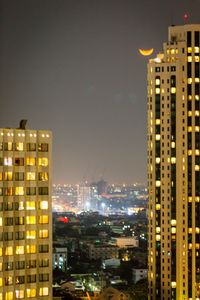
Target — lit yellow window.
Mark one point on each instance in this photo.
(196, 79)
(19, 249)
(30, 176)
(196, 49)
(173, 160)
(157, 229)
(158, 183)
(173, 144)
(197, 113)
(173, 90)
(9, 296)
(1, 255)
(157, 137)
(189, 58)
(197, 152)
(8, 176)
(173, 230)
(189, 49)
(43, 161)
(196, 167)
(31, 249)
(173, 222)
(43, 234)
(19, 191)
(43, 176)
(157, 237)
(157, 81)
(19, 146)
(189, 80)
(31, 234)
(157, 160)
(1, 176)
(157, 90)
(157, 121)
(1, 264)
(196, 58)
(44, 219)
(196, 97)
(30, 220)
(21, 205)
(157, 206)
(44, 205)
(19, 294)
(30, 161)
(44, 291)
(9, 251)
(31, 293)
(197, 199)
(30, 205)
(173, 284)
(1, 281)
(189, 152)
(197, 128)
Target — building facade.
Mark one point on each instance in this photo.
(174, 167)
(25, 214)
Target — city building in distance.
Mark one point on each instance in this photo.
(25, 214)
(174, 166)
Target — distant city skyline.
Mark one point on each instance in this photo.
(73, 67)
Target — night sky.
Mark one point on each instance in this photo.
(72, 66)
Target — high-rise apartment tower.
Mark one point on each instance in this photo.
(25, 214)
(174, 166)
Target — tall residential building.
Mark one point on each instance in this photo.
(25, 214)
(174, 166)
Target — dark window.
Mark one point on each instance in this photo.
(31, 147)
(31, 191)
(19, 235)
(43, 262)
(43, 248)
(20, 279)
(19, 176)
(19, 161)
(31, 264)
(43, 147)
(20, 265)
(43, 190)
(31, 278)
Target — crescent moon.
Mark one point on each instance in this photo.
(146, 52)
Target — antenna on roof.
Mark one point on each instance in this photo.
(22, 124)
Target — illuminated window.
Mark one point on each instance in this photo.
(196, 168)
(189, 80)
(157, 90)
(19, 249)
(19, 191)
(1, 264)
(30, 161)
(157, 229)
(173, 144)
(196, 49)
(9, 296)
(157, 81)
(19, 294)
(158, 183)
(31, 293)
(173, 222)
(19, 146)
(43, 234)
(43, 205)
(8, 176)
(197, 152)
(19, 205)
(1, 281)
(196, 79)
(173, 90)
(30, 249)
(157, 237)
(196, 58)
(189, 152)
(197, 128)
(30, 176)
(189, 49)
(157, 121)
(1, 255)
(30, 205)
(172, 51)
(43, 176)
(157, 160)
(157, 137)
(197, 113)
(30, 220)
(9, 251)
(173, 160)
(19, 221)
(44, 291)
(7, 161)
(31, 234)
(43, 161)
(189, 58)
(173, 230)
(44, 219)
(157, 206)
(173, 284)
(1, 176)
